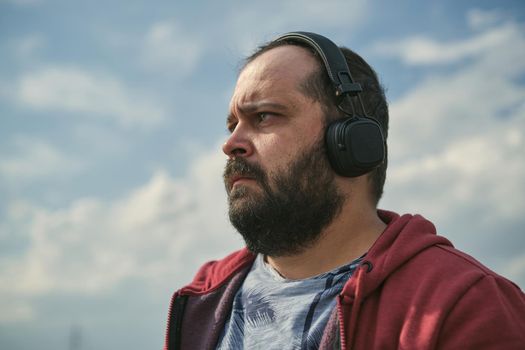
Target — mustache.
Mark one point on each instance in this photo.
(241, 167)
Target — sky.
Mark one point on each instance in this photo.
(112, 116)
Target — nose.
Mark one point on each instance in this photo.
(238, 144)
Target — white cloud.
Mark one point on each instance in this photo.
(27, 159)
(421, 50)
(159, 233)
(443, 109)
(480, 19)
(466, 102)
(76, 91)
(482, 172)
(170, 49)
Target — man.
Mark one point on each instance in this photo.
(323, 268)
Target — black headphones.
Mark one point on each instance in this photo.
(355, 144)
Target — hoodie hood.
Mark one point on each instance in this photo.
(404, 237)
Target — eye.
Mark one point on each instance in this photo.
(263, 116)
(231, 123)
(231, 127)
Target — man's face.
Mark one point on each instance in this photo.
(280, 187)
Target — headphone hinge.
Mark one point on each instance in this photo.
(347, 86)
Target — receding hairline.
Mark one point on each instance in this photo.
(279, 45)
(307, 80)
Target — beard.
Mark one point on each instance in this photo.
(288, 217)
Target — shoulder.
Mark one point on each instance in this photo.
(213, 273)
(466, 301)
(442, 277)
(487, 309)
(452, 264)
(447, 273)
(462, 286)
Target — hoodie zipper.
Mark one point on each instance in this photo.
(354, 302)
(175, 315)
(342, 336)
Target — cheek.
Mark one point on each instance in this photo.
(277, 150)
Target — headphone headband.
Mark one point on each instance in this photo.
(332, 58)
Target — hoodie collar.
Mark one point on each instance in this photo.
(404, 237)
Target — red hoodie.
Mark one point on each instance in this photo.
(412, 291)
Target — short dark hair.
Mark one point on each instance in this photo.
(319, 87)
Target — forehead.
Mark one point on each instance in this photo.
(276, 73)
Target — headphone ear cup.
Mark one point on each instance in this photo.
(355, 146)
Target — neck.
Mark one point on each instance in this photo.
(348, 237)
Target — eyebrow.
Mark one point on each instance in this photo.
(255, 106)
(252, 107)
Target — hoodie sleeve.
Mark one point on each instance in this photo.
(490, 315)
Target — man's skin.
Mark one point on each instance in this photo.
(271, 122)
